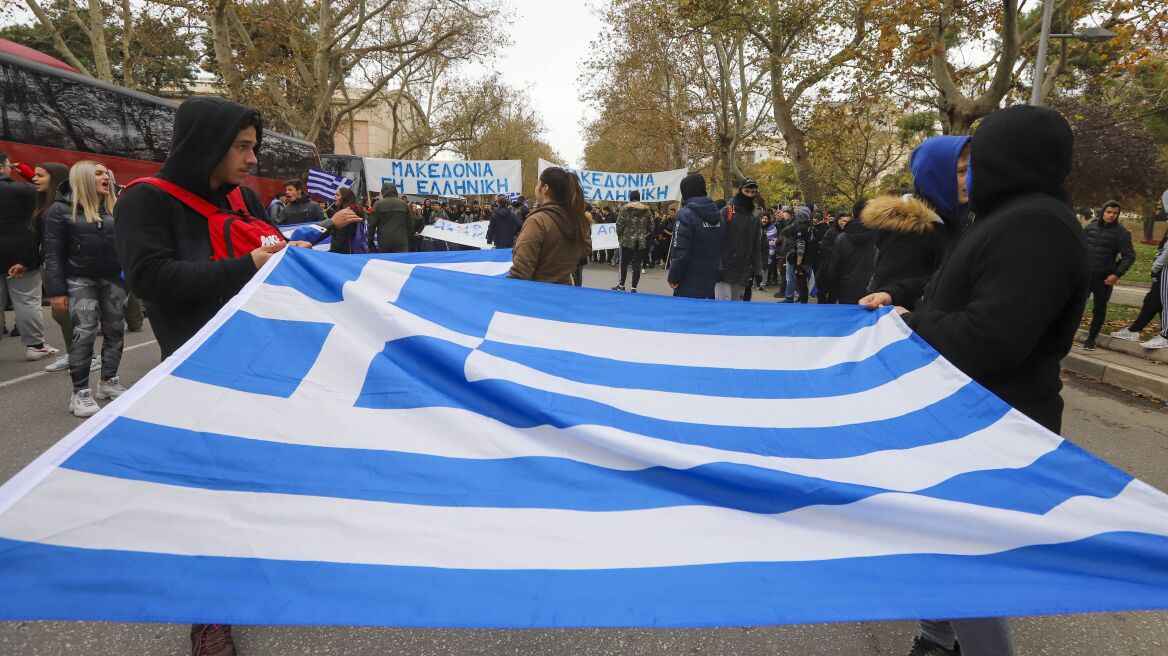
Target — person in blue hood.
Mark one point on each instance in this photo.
(697, 241)
(913, 231)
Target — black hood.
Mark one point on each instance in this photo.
(692, 186)
(1017, 151)
(204, 129)
(1110, 203)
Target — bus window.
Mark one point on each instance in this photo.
(14, 114)
(74, 116)
(284, 159)
(148, 129)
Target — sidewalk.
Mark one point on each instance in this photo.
(1122, 364)
(1129, 294)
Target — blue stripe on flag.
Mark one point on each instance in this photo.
(142, 451)
(887, 365)
(1130, 572)
(1037, 488)
(250, 354)
(146, 452)
(421, 372)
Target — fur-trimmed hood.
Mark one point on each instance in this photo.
(899, 214)
(637, 206)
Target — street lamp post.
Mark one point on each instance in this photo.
(1089, 35)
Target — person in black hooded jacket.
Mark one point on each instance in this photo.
(503, 226)
(165, 247)
(741, 245)
(1005, 304)
(697, 241)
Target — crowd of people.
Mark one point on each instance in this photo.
(960, 262)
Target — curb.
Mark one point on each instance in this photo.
(1123, 346)
(1117, 375)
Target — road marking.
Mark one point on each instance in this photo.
(42, 372)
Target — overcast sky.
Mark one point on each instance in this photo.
(550, 42)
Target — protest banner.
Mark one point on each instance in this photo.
(437, 178)
(475, 234)
(467, 234)
(656, 187)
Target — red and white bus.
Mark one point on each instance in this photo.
(51, 113)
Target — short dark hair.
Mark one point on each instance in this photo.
(294, 183)
(634, 196)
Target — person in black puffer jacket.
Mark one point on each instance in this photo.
(300, 208)
(697, 241)
(504, 225)
(83, 275)
(1110, 253)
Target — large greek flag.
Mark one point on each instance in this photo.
(357, 440)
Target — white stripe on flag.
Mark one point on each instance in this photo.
(696, 350)
(443, 432)
(76, 509)
(912, 391)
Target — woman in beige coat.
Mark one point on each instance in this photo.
(557, 237)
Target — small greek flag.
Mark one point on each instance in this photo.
(323, 184)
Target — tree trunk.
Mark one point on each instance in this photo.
(325, 138)
(101, 58)
(727, 171)
(796, 141)
(127, 51)
(221, 43)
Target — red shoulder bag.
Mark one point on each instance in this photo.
(232, 233)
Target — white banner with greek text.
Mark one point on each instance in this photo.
(475, 234)
(437, 178)
(656, 187)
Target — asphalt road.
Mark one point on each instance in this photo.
(1123, 429)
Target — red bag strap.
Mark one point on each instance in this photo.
(191, 200)
(235, 198)
(730, 214)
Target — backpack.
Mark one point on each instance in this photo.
(233, 233)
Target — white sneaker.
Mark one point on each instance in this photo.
(31, 353)
(82, 404)
(1129, 335)
(60, 364)
(95, 364)
(1157, 342)
(109, 389)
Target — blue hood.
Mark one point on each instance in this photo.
(934, 169)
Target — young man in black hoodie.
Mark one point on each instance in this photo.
(164, 246)
(741, 246)
(1005, 304)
